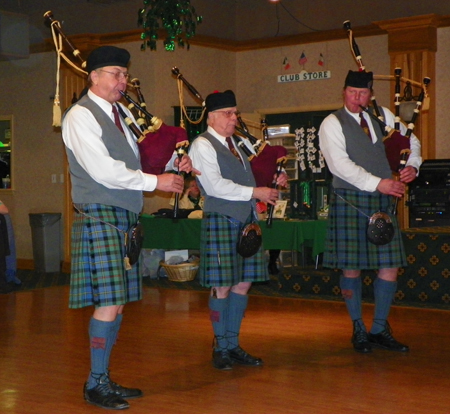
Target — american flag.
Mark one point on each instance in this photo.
(302, 59)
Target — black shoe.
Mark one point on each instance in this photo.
(239, 356)
(273, 269)
(221, 360)
(102, 395)
(385, 340)
(361, 342)
(126, 392)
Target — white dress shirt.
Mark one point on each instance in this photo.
(333, 147)
(204, 159)
(82, 135)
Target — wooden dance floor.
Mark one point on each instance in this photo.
(164, 348)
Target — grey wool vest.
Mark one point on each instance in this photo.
(233, 170)
(368, 155)
(84, 188)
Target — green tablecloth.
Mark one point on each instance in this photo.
(168, 234)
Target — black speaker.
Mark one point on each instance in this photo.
(429, 195)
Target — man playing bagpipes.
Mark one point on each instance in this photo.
(362, 182)
(107, 192)
(230, 192)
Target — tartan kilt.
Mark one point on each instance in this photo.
(220, 263)
(346, 244)
(98, 276)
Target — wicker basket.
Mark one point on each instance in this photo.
(183, 272)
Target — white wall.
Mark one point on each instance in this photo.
(257, 73)
(26, 87)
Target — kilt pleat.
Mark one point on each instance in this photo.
(220, 263)
(346, 244)
(98, 275)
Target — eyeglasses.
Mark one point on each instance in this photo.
(118, 75)
(228, 114)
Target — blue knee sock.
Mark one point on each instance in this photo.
(218, 309)
(384, 292)
(110, 343)
(351, 289)
(236, 311)
(100, 334)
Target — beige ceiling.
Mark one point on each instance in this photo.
(228, 19)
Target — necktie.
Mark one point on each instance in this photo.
(117, 119)
(233, 150)
(365, 125)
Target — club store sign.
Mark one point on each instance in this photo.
(304, 76)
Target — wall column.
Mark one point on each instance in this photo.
(412, 46)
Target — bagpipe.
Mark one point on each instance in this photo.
(156, 140)
(266, 160)
(397, 145)
(257, 145)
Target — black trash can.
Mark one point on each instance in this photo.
(46, 238)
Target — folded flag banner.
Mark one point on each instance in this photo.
(321, 61)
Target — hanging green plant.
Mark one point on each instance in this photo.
(177, 17)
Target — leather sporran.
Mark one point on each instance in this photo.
(133, 242)
(380, 229)
(250, 240)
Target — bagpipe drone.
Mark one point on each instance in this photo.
(156, 140)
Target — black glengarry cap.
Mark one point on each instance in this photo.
(107, 56)
(218, 100)
(359, 79)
